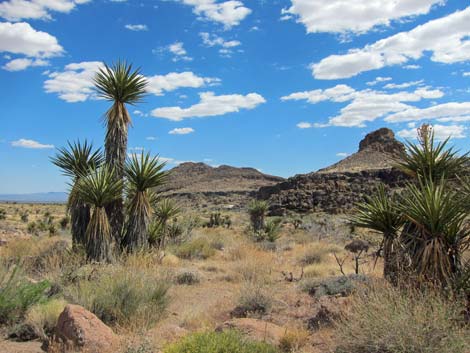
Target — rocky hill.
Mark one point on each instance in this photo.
(200, 185)
(338, 188)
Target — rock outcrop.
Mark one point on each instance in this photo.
(336, 189)
(200, 185)
(78, 329)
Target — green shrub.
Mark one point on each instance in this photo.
(254, 300)
(24, 217)
(64, 222)
(187, 277)
(213, 342)
(386, 319)
(17, 294)
(123, 297)
(341, 285)
(43, 317)
(199, 248)
(3, 214)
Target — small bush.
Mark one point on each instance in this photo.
(3, 214)
(17, 294)
(341, 285)
(195, 249)
(24, 217)
(386, 319)
(187, 277)
(43, 317)
(64, 222)
(123, 297)
(253, 300)
(213, 342)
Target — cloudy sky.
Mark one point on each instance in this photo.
(285, 86)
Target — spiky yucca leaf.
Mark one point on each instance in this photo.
(165, 210)
(142, 174)
(257, 210)
(429, 159)
(76, 161)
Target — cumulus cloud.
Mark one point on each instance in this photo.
(136, 27)
(212, 40)
(377, 80)
(75, 83)
(450, 110)
(25, 143)
(342, 154)
(211, 105)
(15, 10)
(23, 63)
(446, 38)
(403, 85)
(359, 16)
(363, 106)
(441, 132)
(181, 131)
(229, 13)
(21, 38)
(304, 125)
(174, 80)
(178, 51)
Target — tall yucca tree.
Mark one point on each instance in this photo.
(257, 210)
(121, 85)
(380, 213)
(98, 189)
(143, 174)
(76, 161)
(165, 210)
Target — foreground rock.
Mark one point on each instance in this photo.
(338, 188)
(257, 330)
(80, 330)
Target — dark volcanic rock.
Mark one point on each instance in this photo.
(338, 188)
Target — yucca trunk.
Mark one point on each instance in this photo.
(98, 237)
(80, 218)
(136, 237)
(391, 256)
(257, 220)
(116, 151)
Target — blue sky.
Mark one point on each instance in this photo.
(285, 86)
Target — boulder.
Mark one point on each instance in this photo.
(79, 329)
(257, 330)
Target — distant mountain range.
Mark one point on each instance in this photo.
(39, 197)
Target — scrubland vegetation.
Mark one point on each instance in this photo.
(165, 278)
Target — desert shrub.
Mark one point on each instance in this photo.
(52, 230)
(43, 317)
(199, 248)
(254, 300)
(24, 217)
(64, 222)
(17, 294)
(341, 285)
(294, 340)
(123, 297)
(3, 214)
(213, 342)
(187, 277)
(32, 228)
(386, 319)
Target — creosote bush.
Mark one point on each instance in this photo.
(254, 300)
(383, 318)
(199, 248)
(213, 342)
(124, 297)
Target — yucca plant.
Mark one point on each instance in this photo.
(257, 210)
(165, 210)
(121, 85)
(380, 213)
(436, 234)
(142, 174)
(77, 161)
(98, 189)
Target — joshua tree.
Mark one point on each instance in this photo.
(142, 174)
(257, 211)
(164, 211)
(77, 161)
(380, 213)
(99, 189)
(121, 85)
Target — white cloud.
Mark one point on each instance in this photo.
(181, 131)
(211, 40)
(439, 111)
(363, 106)
(136, 27)
(446, 38)
(15, 10)
(177, 49)
(378, 79)
(441, 132)
(174, 80)
(211, 105)
(23, 63)
(304, 125)
(412, 67)
(25, 143)
(466, 74)
(150, 138)
(229, 13)
(21, 38)
(403, 85)
(342, 154)
(358, 16)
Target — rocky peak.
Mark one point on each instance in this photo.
(381, 140)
